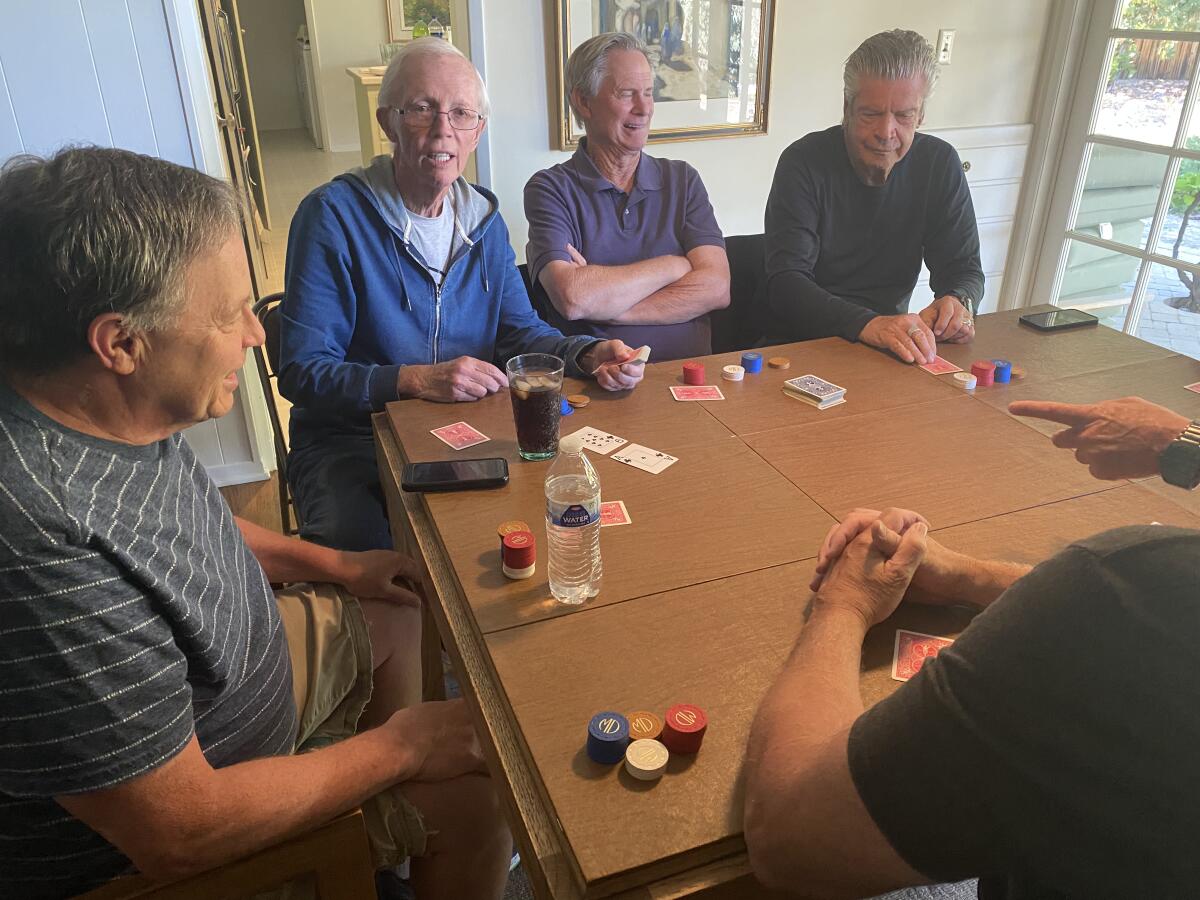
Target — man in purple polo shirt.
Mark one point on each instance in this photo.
(625, 245)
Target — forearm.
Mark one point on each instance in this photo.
(808, 311)
(974, 582)
(693, 295)
(287, 559)
(815, 698)
(601, 293)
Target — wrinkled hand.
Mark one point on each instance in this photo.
(465, 378)
(608, 359)
(441, 739)
(908, 336)
(854, 524)
(875, 569)
(378, 575)
(949, 320)
(1115, 438)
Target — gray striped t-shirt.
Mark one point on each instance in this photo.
(132, 614)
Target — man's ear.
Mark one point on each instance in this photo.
(383, 115)
(580, 103)
(118, 349)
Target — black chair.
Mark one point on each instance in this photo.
(267, 358)
(537, 295)
(743, 323)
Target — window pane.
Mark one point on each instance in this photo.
(1143, 97)
(1158, 16)
(1098, 280)
(1120, 192)
(1180, 238)
(1171, 314)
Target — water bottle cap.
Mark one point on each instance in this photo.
(572, 443)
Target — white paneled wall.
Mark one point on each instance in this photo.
(104, 72)
(996, 158)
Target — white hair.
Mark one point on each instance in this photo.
(393, 80)
(891, 55)
(588, 64)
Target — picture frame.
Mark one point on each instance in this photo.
(712, 62)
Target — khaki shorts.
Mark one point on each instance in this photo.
(330, 650)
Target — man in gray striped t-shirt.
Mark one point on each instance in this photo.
(154, 689)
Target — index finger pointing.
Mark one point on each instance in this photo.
(1052, 411)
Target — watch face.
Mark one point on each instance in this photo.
(1180, 464)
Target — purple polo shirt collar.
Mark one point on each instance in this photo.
(645, 178)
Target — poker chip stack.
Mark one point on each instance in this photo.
(644, 740)
(693, 373)
(518, 555)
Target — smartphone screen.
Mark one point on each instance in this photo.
(455, 474)
(1059, 318)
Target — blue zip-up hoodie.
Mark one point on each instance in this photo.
(360, 303)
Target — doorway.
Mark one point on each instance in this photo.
(1129, 191)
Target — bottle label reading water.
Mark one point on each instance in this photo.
(575, 515)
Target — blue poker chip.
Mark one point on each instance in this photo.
(567, 409)
(608, 736)
(1003, 371)
(752, 362)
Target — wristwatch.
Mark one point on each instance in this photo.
(1179, 462)
(966, 301)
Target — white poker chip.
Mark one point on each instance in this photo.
(733, 373)
(646, 760)
(965, 380)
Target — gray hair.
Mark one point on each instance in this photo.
(95, 230)
(393, 81)
(588, 64)
(891, 55)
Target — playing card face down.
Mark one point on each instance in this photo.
(613, 512)
(814, 386)
(940, 366)
(460, 435)
(696, 392)
(912, 650)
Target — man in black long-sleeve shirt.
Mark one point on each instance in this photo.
(854, 209)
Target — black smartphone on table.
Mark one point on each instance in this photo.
(1059, 319)
(455, 475)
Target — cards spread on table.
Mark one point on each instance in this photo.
(613, 512)
(598, 441)
(696, 392)
(912, 649)
(652, 461)
(940, 366)
(460, 435)
(1194, 388)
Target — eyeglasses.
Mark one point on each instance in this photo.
(421, 115)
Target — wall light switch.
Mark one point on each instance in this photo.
(945, 45)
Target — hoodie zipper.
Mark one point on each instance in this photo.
(437, 317)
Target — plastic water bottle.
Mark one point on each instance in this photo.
(436, 29)
(573, 524)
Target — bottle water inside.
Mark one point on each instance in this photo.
(573, 525)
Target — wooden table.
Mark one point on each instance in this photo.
(704, 592)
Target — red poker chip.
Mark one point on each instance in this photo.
(984, 371)
(693, 373)
(520, 549)
(683, 728)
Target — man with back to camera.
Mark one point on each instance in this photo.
(854, 209)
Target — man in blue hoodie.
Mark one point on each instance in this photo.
(401, 282)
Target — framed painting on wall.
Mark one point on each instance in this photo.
(711, 61)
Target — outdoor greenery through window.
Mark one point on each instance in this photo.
(1132, 253)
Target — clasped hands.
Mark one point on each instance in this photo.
(913, 338)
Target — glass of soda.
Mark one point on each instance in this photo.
(535, 383)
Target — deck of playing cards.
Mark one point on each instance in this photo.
(912, 650)
(815, 391)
